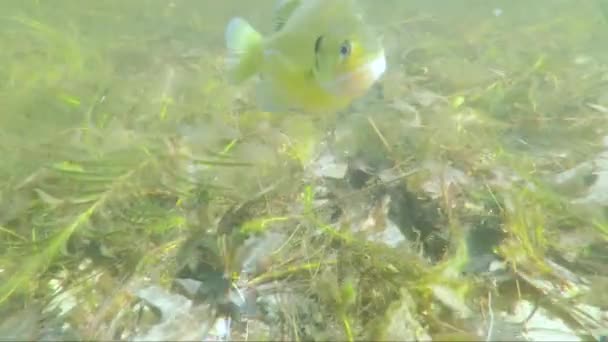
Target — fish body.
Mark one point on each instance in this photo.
(320, 57)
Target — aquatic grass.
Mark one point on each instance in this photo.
(603, 228)
(36, 263)
(55, 57)
(528, 228)
(47, 254)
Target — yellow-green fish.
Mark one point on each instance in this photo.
(320, 57)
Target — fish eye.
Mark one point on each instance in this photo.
(345, 49)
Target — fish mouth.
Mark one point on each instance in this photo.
(358, 81)
(376, 67)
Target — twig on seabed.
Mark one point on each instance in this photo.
(491, 314)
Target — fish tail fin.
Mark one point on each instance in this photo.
(244, 46)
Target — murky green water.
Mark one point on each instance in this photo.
(465, 189)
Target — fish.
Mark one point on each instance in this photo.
(320, 56)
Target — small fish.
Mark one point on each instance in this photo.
(320, 57)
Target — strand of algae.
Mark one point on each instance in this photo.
(35, 263)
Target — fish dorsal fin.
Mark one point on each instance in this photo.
(283, 9)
